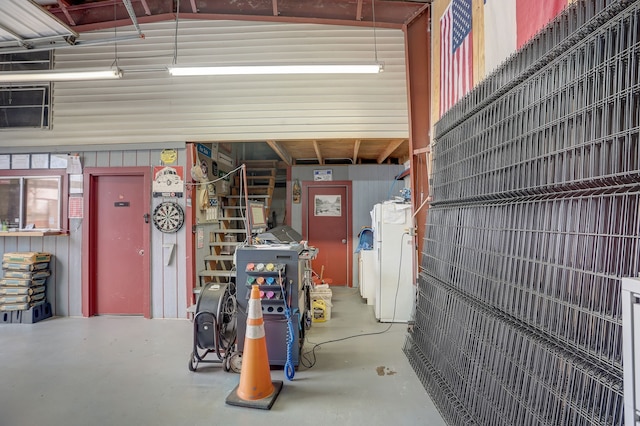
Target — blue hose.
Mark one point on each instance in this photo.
(289, 368)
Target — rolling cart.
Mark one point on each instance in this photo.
(215, 327)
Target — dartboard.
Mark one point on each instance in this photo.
(168, 217)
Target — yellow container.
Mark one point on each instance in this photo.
(319, 311)
(321, 305)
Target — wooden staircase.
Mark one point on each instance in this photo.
(261, 181)
(231, 232)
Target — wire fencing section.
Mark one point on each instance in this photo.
(536, 189)
(498, 372)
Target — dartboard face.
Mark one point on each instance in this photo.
(168, 217)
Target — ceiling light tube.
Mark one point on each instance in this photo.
(58, 75)
(277, 69)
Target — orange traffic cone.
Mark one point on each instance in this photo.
(256, 390)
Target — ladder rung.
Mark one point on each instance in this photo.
(219, 257)
(261, 169)
(216, 273)
(250, 196)
(258, 187)
(269, 177)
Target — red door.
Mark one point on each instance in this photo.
(328, 216)
(118, 249)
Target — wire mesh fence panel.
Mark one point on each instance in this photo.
(534, 220)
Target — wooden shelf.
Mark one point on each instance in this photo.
(32, 233)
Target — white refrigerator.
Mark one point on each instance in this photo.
(393, 243)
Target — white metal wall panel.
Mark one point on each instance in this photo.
(152, 107)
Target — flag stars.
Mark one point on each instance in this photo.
(461, 25)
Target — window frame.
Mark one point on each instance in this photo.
(27, 61)
(64, 190)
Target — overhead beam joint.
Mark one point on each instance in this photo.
(389, 149)
(356, 148)
(281, 151)
(316, 148)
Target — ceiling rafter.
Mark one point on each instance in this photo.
(389, 149)
(281, 151)
(359, 11)
(63, 5)
(145, 6)
(92, 15)
(356, 148)
(316, 148)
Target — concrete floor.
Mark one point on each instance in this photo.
(131, 371)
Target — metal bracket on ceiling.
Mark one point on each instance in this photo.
(132, 15)
(71, 40)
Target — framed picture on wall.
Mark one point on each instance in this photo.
(327, 205)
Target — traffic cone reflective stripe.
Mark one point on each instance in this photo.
(255, 323)
(255, 309)
(255, 331)
(256, 390)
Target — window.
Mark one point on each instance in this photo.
(24, 105)
(31, 201)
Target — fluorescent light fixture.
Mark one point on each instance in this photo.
(58, 75)
(373, 68)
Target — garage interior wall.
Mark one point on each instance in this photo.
(64, 287)
(149, 106)
(371, 184)
(534, 222)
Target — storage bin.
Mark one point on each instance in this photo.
(321, 304)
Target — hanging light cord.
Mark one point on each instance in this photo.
(115, 37)
(375, 39)
(175, 37)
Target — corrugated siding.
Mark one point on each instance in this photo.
(64, 287)
(154, 107)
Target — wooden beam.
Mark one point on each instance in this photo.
(63, 5)
(316, 147)
(422, 150)
(389, 149)
(147, 11)
(359, 11)
(356, 148)
(281, 151)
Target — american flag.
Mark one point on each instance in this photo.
(456, 53)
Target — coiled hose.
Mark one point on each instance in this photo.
(289, 369)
